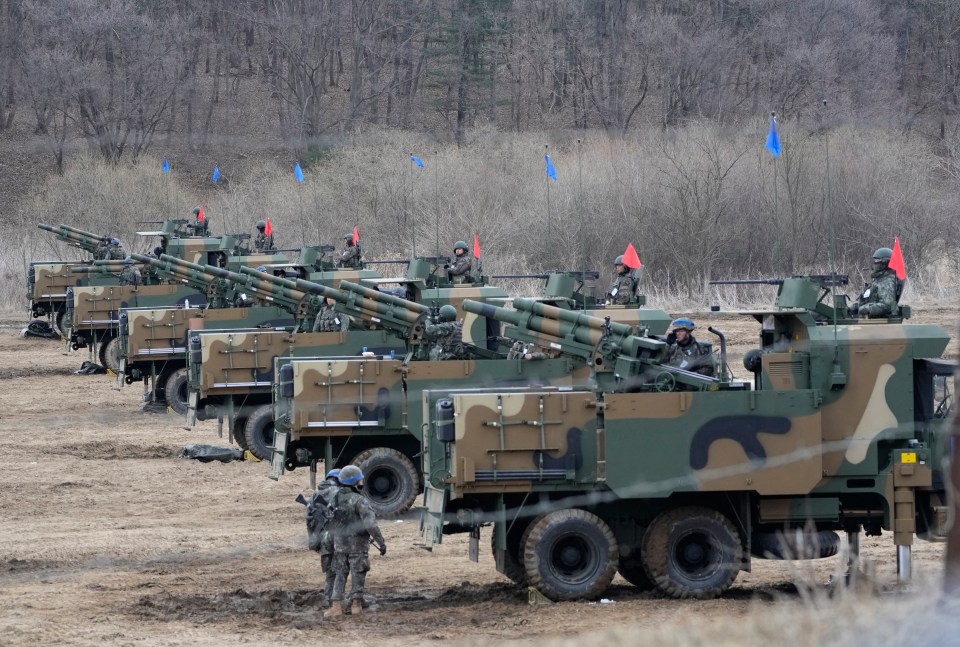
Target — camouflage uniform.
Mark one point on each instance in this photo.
(879, 299)
(349, 257)
(130, 275)
(352, 543)
(519, 350)
(461, 269)
(264, 243)
(328, 320)
(328, 488)
(102, 252)
(622, 290)
(690, 356)
(116, 252)
(447, 340)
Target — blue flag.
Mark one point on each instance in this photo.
(773, 139)
(298, 172)
(416, 160)
(166, 167)
(216, 173)
(551, 172)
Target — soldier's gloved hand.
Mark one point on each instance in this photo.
(383, 549)
(854, 309)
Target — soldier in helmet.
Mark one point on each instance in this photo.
(115, 251)
(462, 266)
(130, 274)
(624, 286)
(264, 241)
(446, 333)
(519, 350)
(327, 491)
(881, 296)
(351, 542)
(685, 351)
(349, 256)
(328, 319)
(198, 227)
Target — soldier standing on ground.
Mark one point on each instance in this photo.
(327, 491)
(264, 241)
(351, 542)
(349, 256)
(462, 265)
(624, 286)
(446, 335)
(686, 352)
(880, 298)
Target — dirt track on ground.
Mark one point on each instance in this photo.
(109, 538)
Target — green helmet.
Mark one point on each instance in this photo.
(618, 260)
(683, 324)
(460, 245)
(261, 224)
(448, 313)
(882, 255)
(196, 211)
(351, 475)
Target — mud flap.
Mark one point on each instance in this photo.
(431, 515)
(280, 455)
(192, 410)
(121, 373)
(474, 544)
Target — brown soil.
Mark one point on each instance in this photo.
(109, 538)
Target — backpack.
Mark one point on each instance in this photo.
(322, 514)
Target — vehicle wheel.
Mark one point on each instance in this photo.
(570, 554)
(513, 558)
(631, 568)
(258, 432)
(240, 433)
(110, 354)
(691, 552)
(60, 323)
(390, 480)
(795, 544)
(175, 390)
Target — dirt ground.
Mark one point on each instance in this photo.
(107, 537)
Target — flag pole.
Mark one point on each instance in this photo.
(580, 200)
(408, 182)
(436, 195)
(546, 148)
(777, 261)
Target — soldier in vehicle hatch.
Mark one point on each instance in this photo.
(263, 242)
(624, 285)
(446, 334)
(685, 351)
(462, 266)
(880, 298)
(349, 256)
(328, 319)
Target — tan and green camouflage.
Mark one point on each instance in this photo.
(841, 429)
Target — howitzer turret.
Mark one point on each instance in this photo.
(806, 293)
(85, 240)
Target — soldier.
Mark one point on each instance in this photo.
(880, 298)
(624, 285)
(102, 252)
(328, 319)
(116, 252)
(685, 351)
(198, 227)
(130, 274)
(462, 265)
(349, 256)
(327, 491)
(519, 350)
(351, 542)
(264, 241)
(446, 334)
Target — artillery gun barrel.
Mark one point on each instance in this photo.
(383, 303)
(748, 282)
(83, 239)
(571, 316)
(294, 289)
(520, 276)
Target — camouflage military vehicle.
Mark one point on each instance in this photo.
(675, 479)
(366, 411)
(231, 372)
(94, 311)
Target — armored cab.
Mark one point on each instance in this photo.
(675, 480)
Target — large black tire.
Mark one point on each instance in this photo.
(110, 354)
(175, 390)
(390, 481)
(259, 432)
(692, 552)
(793, 545)
(570, 554)
(240, 433)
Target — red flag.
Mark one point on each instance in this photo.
(200, 216)
(268, 229)
(476, 246)
(896, 260)
(356, 235)
(630, 258)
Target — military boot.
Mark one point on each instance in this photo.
(335, 610)
(357, 607)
